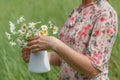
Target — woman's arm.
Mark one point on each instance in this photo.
(54, 59)
(78, 61)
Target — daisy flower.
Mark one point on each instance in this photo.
(44, 27)
(45, 32)
(55, 30)
(29, 34)
(20, 20)
(32, 25)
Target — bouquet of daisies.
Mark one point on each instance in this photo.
(20, 32)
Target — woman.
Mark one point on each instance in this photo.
(85, 42)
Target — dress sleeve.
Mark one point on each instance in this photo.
(102, 39)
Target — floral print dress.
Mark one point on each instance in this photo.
(90, 30)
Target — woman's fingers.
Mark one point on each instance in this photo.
(35, 50)
(34, 46)
(34, 42)
(26, 54)
(37, 44)
(34, 38)
(26, 58)
(25, 49)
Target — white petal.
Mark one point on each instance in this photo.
(8, 35)
(12, 27)
(12, 43)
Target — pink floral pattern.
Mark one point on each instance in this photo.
(90, 30)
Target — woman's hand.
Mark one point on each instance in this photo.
(40, 43)
(26, 54)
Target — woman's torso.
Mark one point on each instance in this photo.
(76, 33)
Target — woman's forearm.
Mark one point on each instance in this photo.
(54, 59)
(78, 61)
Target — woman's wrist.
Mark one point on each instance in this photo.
(54, 43)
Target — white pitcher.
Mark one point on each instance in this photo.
(39, 62)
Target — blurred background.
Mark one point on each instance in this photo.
(12, 67)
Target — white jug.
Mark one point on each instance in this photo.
(39, 62)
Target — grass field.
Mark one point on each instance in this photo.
(12, 67)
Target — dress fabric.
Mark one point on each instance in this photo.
(90, 30)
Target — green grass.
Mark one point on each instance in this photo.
(12, 67)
